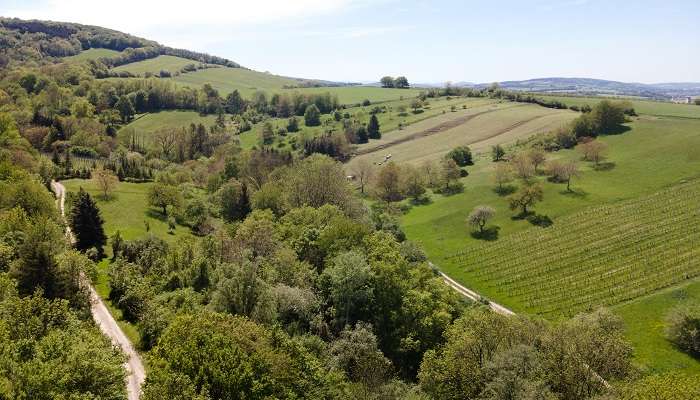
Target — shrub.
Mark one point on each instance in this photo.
(684, 328)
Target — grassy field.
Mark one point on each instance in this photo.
(479, 126)
(389, 118)
(599, 257)
(352, 95)
(654, 154)
(92, 54)
(645, 323)
(647, 107)
(155, 65)
(128, 211)
(225, 80)
(147, 124)
(247, 82)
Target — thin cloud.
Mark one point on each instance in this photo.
(138, 16)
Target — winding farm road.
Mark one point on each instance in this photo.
(136, 374)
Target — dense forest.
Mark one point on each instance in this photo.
(293, 284)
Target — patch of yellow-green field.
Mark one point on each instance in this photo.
(645, 323)
(479, 127)
(226, 80)
(392, 114)
(128, 211)
(147, 124)
(171, 64)
(354, 95)
(646, 107)
(92, 54)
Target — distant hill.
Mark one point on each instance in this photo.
(600, 86)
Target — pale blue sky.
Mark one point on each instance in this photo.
(428, 41)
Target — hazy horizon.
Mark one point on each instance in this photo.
(429, 42)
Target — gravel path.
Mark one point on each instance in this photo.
(136, 374)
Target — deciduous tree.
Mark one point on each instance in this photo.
(526, 197)
(105, 180)
(480, 216)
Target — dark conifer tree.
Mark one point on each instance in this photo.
(86, 223)
(373, 128)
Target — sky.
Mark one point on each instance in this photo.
(646, 41)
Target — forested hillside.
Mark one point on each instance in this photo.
(243, 259)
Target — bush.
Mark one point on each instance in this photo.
(684, 328)
(82, 151)
(462, 155)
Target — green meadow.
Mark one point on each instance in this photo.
(653, 155)
(92, 54)
(147, 124)
(154, 65)
(128, 211)
(645, 323)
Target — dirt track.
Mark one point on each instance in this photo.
(136, 374)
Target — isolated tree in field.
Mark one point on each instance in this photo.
(87, 223)
(497, 152)
(105, 180)
(387, 185)
(563, 172)
(697, 102)
(683, 328)
(161, 195)
(363, 171)
(373, 128)
(413, 182)
(593, 150)
(522, 167)
(312, 116)
(462, 155)
(537, 157)
(125, 108)
(450, 172)
(416, 104)
(480, 216)
(526, 197)
(502, 175)
(387, 82)
(401, 82)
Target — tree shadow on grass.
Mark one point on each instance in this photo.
(505, 190)
(576, 193)
(604, 166)
(156, 215)
(618, 130)
(452, 190)
(421, 201)
(540, 220)
(489, 234)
